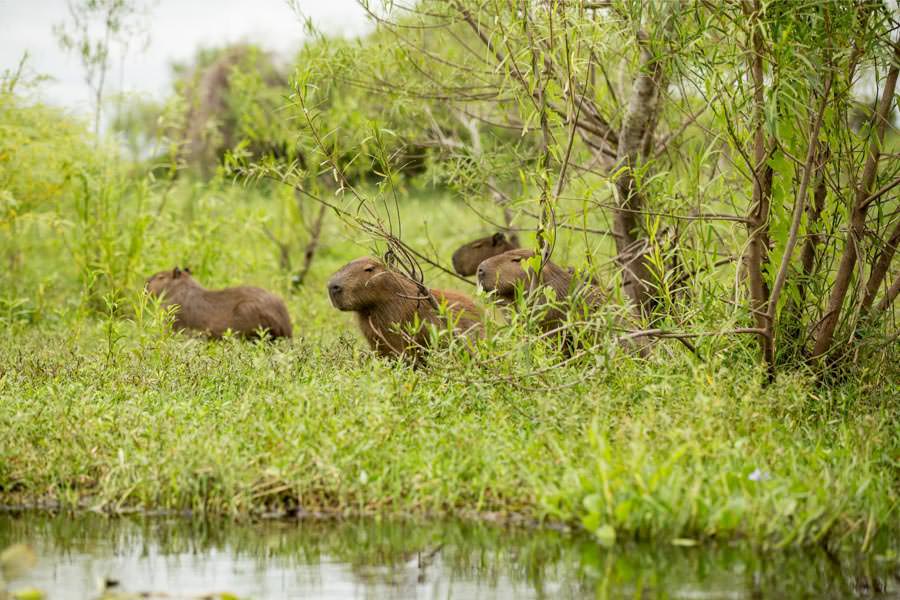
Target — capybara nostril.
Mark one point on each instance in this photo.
(334, 288)
(480, 273)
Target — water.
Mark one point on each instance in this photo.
(402, 559)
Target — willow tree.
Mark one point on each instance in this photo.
(711, 150)
(822, 219)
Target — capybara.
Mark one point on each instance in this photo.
(468, 256)
(502, 273)
(245, 310)
(386, 304)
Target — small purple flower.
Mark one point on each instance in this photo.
(759, 475)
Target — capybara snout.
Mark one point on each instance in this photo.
(468, 256)
(334, 293)
(244, 310)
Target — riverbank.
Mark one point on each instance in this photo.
(128, 416)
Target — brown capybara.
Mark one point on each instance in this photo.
(468, 256)
(386, 303)
(502, 273)
(245, 310)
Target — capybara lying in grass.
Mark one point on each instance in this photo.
(386, 304)
(244, 310)
(501, 275)
(468, 256)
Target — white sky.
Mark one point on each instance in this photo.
(177, 28)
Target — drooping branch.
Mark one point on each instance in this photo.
(471, 125)
(590, 120)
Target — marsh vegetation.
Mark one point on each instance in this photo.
(697, 161)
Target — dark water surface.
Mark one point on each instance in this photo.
(403, 559)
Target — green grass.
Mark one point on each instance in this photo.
(119, 413)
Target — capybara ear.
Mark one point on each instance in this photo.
(176, 273)
(187, 270)
(498, 238)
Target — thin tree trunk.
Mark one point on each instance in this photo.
(284, 249)
(628, 234)
(312, 245)
(792, 325)
(758, 220)
(825, 334)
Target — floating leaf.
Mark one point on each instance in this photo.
(28, 594)
(606, 535)
(686, 542)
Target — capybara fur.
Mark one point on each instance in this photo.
(502, 274)
(468, 256)
(244, 310)
(386, 304)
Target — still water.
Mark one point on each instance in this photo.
(189, 558)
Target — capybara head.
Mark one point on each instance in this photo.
(502, 273)
(363, 284)
(167, 280)
(467, 258)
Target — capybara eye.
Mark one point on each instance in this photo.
(369, 269)
(518, 259)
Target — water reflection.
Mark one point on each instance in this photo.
(405, 559)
